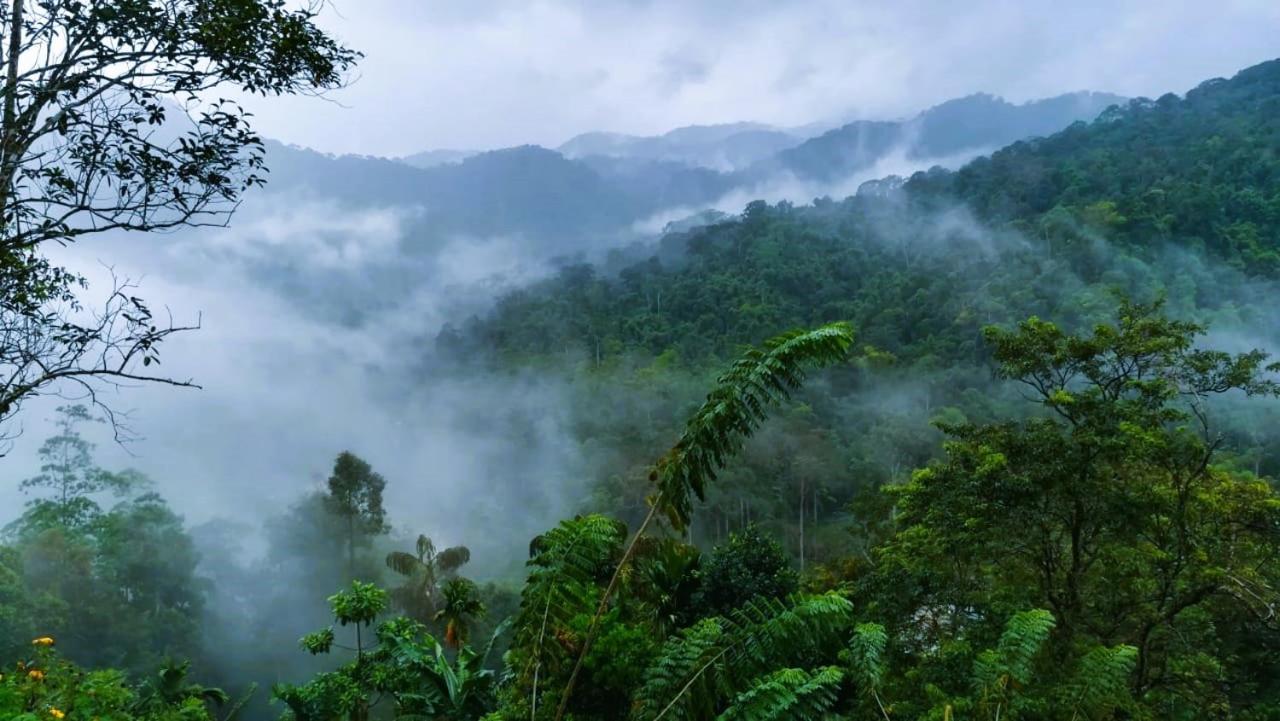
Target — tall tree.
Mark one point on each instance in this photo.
(355, 497)
(109, 124)
(1109, 509)
(69, 477)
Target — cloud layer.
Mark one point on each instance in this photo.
(492, 73)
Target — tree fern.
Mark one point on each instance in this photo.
(787, 694)
(721, 657)
(733, 410)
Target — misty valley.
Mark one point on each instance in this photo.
(968, 412)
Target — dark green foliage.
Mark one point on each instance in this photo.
(355, 498)
(750, 565)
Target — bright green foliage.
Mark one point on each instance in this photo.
(461, 605)
(1001, 673)
(721, 657)
(867, 657)
(749, 565)
(406, 666)
(1107, 509)
(46, 687)
(787, 694)
(1101, 683)
(735, 408)
(359, 605)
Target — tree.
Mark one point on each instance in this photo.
(47, 686)
(461, 604)
(1108, 509)
(69, 474)
(110, 122)
(355, 497)
(748, 566)
(406, 665)
(419, 595)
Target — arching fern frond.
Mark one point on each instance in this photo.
(719, 658)
(789, 694)
(1101, 682)
(735, 408)
(866, 655)
(1001, 672)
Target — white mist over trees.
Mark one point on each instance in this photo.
(497, 433)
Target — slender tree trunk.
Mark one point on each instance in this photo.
(351, 550)
(7, 141)
(802, 524)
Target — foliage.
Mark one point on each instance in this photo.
(46, 687)
(1127, 530)
(749, 565)
(355, 497)
(406, 665)
(118, 587)
(419, 595)
(110, 122)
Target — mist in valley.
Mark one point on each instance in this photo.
(505, 277)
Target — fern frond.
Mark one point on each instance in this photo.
(719, 657)
(1100, 684)
(866, 655)
(786, 695)
(1024, 635)
(735, 408)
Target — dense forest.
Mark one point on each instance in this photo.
(996, 442)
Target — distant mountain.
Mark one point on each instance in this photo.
(527, 190)
(969, 125)
(725, 147)
(432, 158)
(596, 187)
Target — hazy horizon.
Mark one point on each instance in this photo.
(499, 73)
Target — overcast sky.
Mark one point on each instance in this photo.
(494, 73)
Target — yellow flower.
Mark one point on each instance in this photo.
(56, 713)
(36, 674)
(43, 641)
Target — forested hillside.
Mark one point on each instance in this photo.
(992, 443)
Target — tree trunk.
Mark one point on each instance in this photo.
(802, 524)
(8, 164)
(351, 548)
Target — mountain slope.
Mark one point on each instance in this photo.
(1045, 226)
(973, 124)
